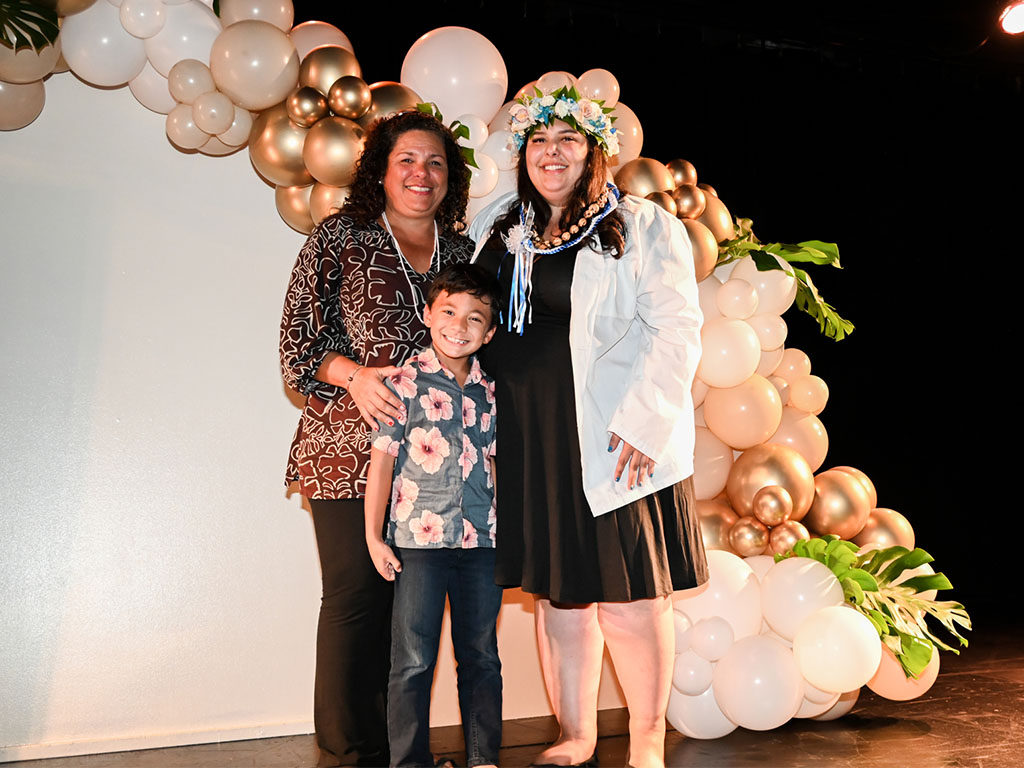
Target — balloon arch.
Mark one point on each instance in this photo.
(763, 641)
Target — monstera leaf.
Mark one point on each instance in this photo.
(27, 25)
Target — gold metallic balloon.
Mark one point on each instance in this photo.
(785, 535)
(748, 537)
(331, 150)
(388, 98)
(705, 248)
(717, 218)
(708, 188)
(642, 176)
(770, 464)
(305, 106)
(325, 65)
(663, 199)
(325, 200)
(865, 480)
(716, 518)
(885, 528)
(772, 505)
(841, 505)
(293, 205)
(349, 97)
(67, 7)
(682, 171)
(275, 148)
(690, 201)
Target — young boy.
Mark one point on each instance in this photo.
(436, 464)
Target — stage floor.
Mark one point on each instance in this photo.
(972, 717)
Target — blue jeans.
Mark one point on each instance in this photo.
(466, 577)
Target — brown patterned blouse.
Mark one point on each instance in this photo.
(348, 294)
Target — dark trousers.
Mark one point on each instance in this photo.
(353, 641)
(466, 578)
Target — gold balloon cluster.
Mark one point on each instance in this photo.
(307, 145)
(772, 500)
(674, 187)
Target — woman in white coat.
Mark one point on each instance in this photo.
(594, 358)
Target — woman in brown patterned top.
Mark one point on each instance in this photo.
(352, 314)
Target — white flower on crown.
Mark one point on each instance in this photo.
(547, 100)
(561, 108)
(590, 110)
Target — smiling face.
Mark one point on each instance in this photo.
(416, 179)
(555, 157)
(459, 324)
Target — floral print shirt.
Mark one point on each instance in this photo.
(443, 493)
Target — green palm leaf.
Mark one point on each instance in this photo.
(26, 25)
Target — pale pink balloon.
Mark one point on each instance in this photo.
(600, 85)
(770, 359)
(771, 330)
(802, 432)
(189, 79)
(143, 18)
(711, 464)
(312, 34)
(808, 393)
(707, 294)
(730, 352)
(255, 64)
(28, 65)
(150, 88)
(891, 682)
(737, 299)
(280, 13)
(552, 81)
(237, 135)
(501, 121)
(213, 112)
(794, 363)
(630, 133)
(698, 391)
(20, 104)
(98, 49)
(846, 702)
(188, 33)
(182, 129)
(745, 415)
(775, 288)
(698, 717)
(781, 385)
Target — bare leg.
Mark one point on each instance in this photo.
(571, 650)
(642, 644)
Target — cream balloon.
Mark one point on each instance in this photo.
(255, 64)
(187, 33)
(846, 702)
(732, 592)
(630, 132)
(780, 383)
(710, 638)
(506, 183)
(188, 79)
(681, 626)
(599, 85)
(313, 34)
(757, 683)
(794, 363)
(478, 131)
(293, 205)
(216, 148)
(707, 296)
(770, 359)
(28, 65)
(711, 464)
(498, 146)
(730, 352)
(213, 112)
(20, 104)
(795, 588)
(484, 177)
(98, 49)
(803, 432)
(745, 415)
(458, 69)
(837, 649)
(552, 81)
(182, 130)
(691, 674)
(775, 288)
(737, 299)
(502, 119)
(810, 709)
(808, 393)
(698, 717)
(142, 18)
(238, 132)
(771, 330)
(280, 13)
(326, 200)
(698, 392)
(152, 91)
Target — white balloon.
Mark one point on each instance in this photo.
(498, 145)
(150, 88)
(484, 178)
(810, 708)
(459, 70)
(506, 183)
(793, 589)
(698, 717)
(837, 649)
(692, 673)
(630, 133)
(98, 49)
(182, 130)
(143, 18)
(760, 565)
(738, 299)
(732, 592)
(502, 119)
(730, 352)
(817, 695)
(312, 34)
(710, 638)
(682, 624)
(478, 131)
(845, 703)
(600, 85)
(712, 461)
(775, 289)
(188, 33)
(757, 683)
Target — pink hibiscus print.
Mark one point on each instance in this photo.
(467, 459)
(428, 449)
(428, 528)
(469, 539)
(386, 444)
(485, 421)
(489, 391)
(468, 412)
(405, 382)
(403, 495)
(428, 361)
(437, 405)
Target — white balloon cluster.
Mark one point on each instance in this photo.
(764, 642)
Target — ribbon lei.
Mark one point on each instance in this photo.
(518, 241)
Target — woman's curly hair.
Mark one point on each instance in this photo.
(610, 232)
(366, 199)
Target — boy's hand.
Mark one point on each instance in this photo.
(384, 559)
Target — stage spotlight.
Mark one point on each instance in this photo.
(1011, 20)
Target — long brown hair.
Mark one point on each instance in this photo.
(610, 232)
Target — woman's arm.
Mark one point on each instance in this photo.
(378, 490)
(365, 384)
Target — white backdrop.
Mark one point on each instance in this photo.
(158, 587)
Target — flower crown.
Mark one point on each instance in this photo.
(587, 116)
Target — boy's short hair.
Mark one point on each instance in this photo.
(467, 278)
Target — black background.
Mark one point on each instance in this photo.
(896, 136)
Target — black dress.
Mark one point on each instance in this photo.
(548, 540)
